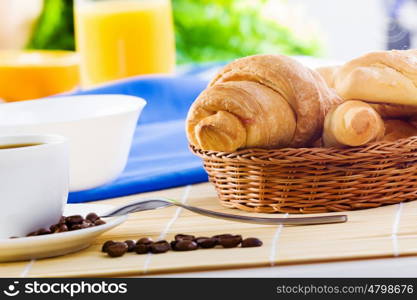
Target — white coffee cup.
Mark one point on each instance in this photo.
(34, 182)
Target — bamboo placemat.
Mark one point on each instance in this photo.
(381, 232)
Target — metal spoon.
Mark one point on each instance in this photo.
(155, 203)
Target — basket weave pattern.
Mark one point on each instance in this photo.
(314, 180)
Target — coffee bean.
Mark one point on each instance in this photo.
(106, 245)
(227, 235)
(76, 219)
(179, 237)
(230, 241)
(76, 227)
(182, 242)
(58, 228)
(92, 217)
(222, 236)
(117, 249)
(206, 242)
(143, 245)
(83, 225)
(99, 222)
(251, 242)
(160, 247)
(239, 237)
(86, 224)
(219, 236)
(130, 245)
(33, 233)
(75, 222)
(144, 240)
(43, 231)
(61, 228)
(185, 245)
(142, 248)
(54, 227)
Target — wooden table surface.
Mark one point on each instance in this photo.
(388, 231)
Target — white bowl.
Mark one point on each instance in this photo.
(100, 129)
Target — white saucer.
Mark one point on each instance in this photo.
(43, 246)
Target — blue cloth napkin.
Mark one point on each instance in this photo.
(159, 157)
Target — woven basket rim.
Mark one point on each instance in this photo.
(260, 155)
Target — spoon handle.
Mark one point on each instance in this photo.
(155, 203)
(136, 206)
(265, 221)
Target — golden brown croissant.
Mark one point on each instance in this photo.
(239, 114)
(383, 76)
(398, 129)
(328, 74)
(352, 123)
(263, 101)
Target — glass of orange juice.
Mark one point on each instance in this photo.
(122, 38)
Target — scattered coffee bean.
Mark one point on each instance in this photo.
(142, 248)
(33, 233)
(92, 217)
(54, 227)
(251, 242)
(117, 249)
(239, 237)
(160, 247)
(130, 245)
(106, 245)
(58, 228)
(87, 224)
(75, 222)
(144, 240)
(180, 237)
(76, 227)
(206, 242)
(173, 243)
(143, 245)
(182, 242)
(43, 231)
(185, 245)
(227, 235)
(99, 222)
(230, 241)
(72, 220)
(83, 225)
(61, 228)
(222, 236)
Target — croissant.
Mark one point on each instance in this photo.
(383, 76)
(398, 129)
(328, 73)
(352, 123)
(266, 101)
(250, 115)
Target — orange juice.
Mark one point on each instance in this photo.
(34, 74)
(122, 38)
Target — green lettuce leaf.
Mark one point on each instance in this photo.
(205, 30)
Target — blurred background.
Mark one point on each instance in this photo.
(213, 31)
(210, 30)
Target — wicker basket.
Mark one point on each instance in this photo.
(314, 180)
